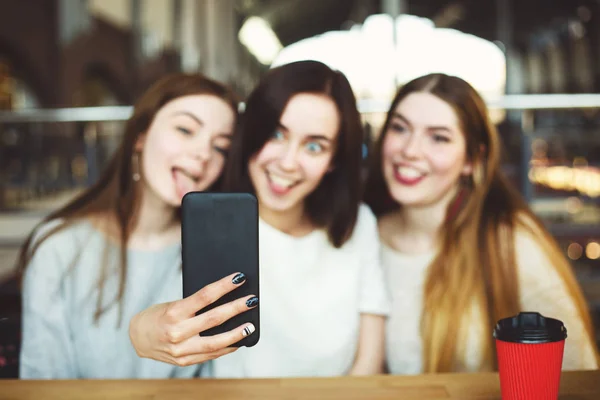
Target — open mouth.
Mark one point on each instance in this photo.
(280, 185)
(408, 175)
(185, 181)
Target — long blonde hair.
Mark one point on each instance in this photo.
(476, 264)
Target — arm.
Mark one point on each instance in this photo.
(374, 301)
(543, 290)
(46, 350)
(370, 355)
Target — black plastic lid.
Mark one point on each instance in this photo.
(530, 327)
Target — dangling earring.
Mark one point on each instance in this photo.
(457, 203)
(135, 161)
(465, 183)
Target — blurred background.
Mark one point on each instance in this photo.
(70, 70)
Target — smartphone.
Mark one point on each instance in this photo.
(219, 236)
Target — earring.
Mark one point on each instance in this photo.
(135, 161)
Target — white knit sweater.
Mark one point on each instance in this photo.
(541, 289)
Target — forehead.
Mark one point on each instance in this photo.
(426, 109)
(211, 110)
(308, 113)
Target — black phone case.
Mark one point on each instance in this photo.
(219, 236)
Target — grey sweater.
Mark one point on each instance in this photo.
(61, 339)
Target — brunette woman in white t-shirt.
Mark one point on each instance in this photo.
(461, 249)
(323, 299)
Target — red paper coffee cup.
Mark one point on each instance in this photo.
(530, 350)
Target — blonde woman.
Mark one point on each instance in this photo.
(461, 248)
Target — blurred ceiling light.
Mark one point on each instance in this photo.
(373, 62)
(584, 180)
(256, 34)
(592, 250)
(574, 251)
(573, 204)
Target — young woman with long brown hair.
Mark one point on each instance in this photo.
(461, 248)
(96, 264)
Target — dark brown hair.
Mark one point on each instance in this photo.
(334, 203)
(115, 195)
(476, 264)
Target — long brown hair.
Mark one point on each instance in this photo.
(334, 203)
(115, 195)
(476, 263)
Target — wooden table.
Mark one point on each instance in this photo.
(574, 386)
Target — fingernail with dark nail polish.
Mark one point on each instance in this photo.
(239, 278)
(249, 330)
(252, 301)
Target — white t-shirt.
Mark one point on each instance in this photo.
(541, 289)
(311, 298)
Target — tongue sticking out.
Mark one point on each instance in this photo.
(278, 185)
(183, 183)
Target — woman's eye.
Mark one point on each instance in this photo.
(397, 128)
(314, 147)
(222, 145)
(278, 135)
(222, 150)
(440, 138)
(184, 130)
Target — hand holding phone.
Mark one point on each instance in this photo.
(168, 332)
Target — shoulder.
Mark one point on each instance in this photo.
(531, 240)
(56, 233)
(365, 215)
(535, 253)
(59, 250)
(55, 242)
(45, 230)
(365, 231)
(366, 221)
